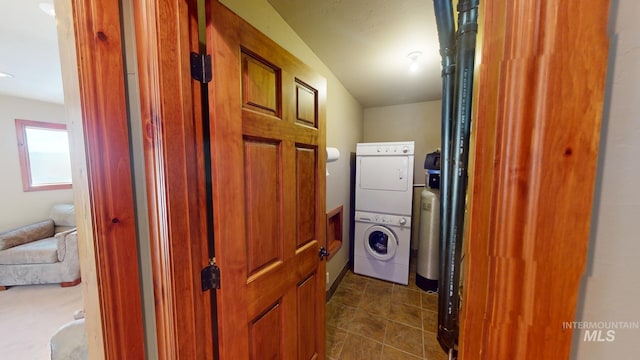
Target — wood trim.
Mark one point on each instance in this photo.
(538, 105)
(334, 238)
(109, 195)
(166, 33)
(336, 282)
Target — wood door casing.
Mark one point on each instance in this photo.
(267, 113)
(170, 106)
(96, 105)
(538, 106)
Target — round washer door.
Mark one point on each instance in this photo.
(380, 242)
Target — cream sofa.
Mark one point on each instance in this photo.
(41, 253)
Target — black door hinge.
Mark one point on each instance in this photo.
(210, 276)
(201, 67)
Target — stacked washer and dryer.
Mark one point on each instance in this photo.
(383, 201)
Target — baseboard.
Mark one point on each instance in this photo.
(335, 284)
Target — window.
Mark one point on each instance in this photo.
(44, 155)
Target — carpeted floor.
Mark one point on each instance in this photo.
(30, 315)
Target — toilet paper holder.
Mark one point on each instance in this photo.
(333, 154)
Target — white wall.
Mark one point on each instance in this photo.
(344, 113)
(611, 287)
(18, 207)
(419, 122)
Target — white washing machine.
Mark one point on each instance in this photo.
(384, 177)
(381, 246)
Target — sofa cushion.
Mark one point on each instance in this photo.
(44, 251)
(63, 215)
(26, 234)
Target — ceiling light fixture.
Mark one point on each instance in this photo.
(5, 75)
(414, 56)
(47, 8)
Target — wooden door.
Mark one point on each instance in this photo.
(267, 113)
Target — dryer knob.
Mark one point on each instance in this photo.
(405, 149)
(403, 221)
(379, 149)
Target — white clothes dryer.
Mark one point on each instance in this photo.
(381, 246)
(384, 177)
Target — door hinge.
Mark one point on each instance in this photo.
(201, 67)
(210, 276)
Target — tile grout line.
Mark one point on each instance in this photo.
(384, 338)
(424, 355)
(342, 346)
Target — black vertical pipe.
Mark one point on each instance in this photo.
(446, 35)
(465, 57)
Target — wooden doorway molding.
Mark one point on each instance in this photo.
(171, 121)
(166, 34)
(96, 106)
(538, 107)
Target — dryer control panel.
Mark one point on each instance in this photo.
(385, 148)
(384, 219)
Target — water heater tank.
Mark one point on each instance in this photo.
(428, 269)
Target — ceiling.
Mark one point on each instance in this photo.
(29, 52)
(365, 43)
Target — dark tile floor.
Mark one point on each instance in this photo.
(373, 319)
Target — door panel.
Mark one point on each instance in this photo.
(266, 330)
(264, 194)
(306, 104)
(307, 301)
(306, 195)
(260, 84)
(268, 138)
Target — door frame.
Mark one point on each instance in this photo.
(172, 118)
(96, 107)
(538, 100)
(103, 176)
